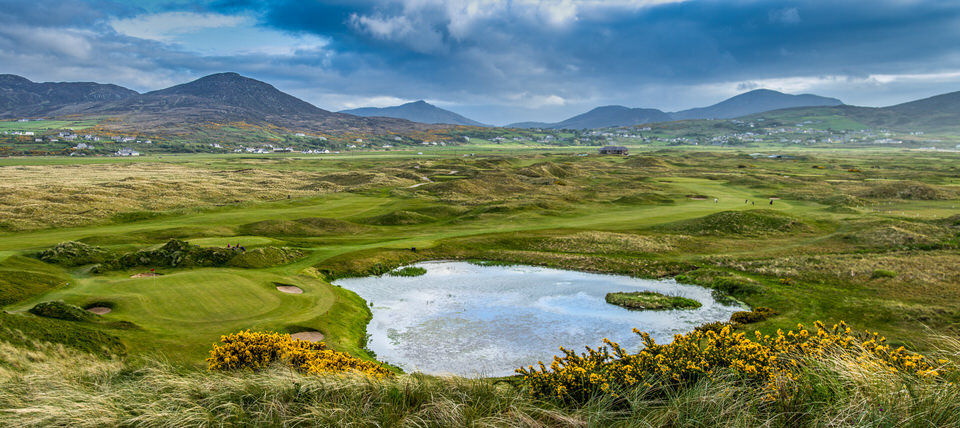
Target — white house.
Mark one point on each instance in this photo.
(127, 152)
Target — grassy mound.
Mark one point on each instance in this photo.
(27, 331)
(906, 190)
(750, 223)
(646, 162)
(175, 253)
(650, 300)
(265, 257)
(72, 253)
(549, 170)
(61, 311)
(895, 234)
(23, 277)
(178, 253)
(596, 242)
(408, 271)
(400, 218)
(314, 226)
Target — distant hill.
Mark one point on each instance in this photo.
(939, 113)
(757, 101)
(602, 117)
(221, 98)
(20, 98)
(752, 102)
(417, 111)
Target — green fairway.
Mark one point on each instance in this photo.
(658, 213)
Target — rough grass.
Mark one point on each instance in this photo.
(23, 277)
(314, 226)
(264, 257)
(408, 271)
(650, 300)
(748, 223)
(93, 391)
(26, 331)
(398, 218)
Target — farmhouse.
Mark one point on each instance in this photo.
(127, 152)
(613, 150)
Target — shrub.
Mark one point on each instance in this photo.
(768, 362)
(61, 311)
(715, 326)
(257, 350)
(748, 317)
(734, 286)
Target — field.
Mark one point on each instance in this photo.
(867, 237)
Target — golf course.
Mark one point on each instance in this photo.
(177, 251)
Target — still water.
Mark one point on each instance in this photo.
(473, 320)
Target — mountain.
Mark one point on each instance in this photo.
(226, 98)
(19, 97)
(602, 117)
(752, 102)
(939, 113)
(418, 111)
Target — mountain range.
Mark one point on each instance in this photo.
(229, 99)
(217, 99)
(756, 101)
(417, 111)
(940, 113)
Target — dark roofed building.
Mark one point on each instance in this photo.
(613, 150)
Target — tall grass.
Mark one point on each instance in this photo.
(53, 386)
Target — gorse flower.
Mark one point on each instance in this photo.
(768, 361)
(255, 350)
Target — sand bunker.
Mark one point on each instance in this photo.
(99, 310)
(144, 275)
(289, 289)
(309, 336)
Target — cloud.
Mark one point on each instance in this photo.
(785, 16)
(499, 60)
(165, 26)
(65, 43)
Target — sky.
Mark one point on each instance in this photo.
(498, 61)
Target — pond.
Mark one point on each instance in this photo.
(469, 320)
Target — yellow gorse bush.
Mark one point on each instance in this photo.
(255, 350)
(768, 361)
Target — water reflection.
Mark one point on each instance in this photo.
(474, 320)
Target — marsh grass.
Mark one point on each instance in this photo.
(95, 391)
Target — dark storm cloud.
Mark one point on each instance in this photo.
(512, 56)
